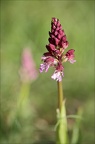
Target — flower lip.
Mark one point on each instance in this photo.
(57, 75)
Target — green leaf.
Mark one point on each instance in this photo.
(61, 127)
(76, 130)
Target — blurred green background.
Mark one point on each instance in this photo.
(26, 24)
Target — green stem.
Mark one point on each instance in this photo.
(24, 93)
(21, 102)
(60, 95)
(61, 130)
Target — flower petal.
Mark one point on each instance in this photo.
(57, 75)
(70, 56)
(44, 67)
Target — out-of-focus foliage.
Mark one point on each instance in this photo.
(26, 24)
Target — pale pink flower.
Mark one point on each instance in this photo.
(28, 70)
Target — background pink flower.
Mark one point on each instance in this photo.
(28, 70)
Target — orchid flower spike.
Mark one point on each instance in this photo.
(54, 57)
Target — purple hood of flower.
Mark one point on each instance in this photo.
(56, 47)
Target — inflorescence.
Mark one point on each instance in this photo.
(56, 47)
